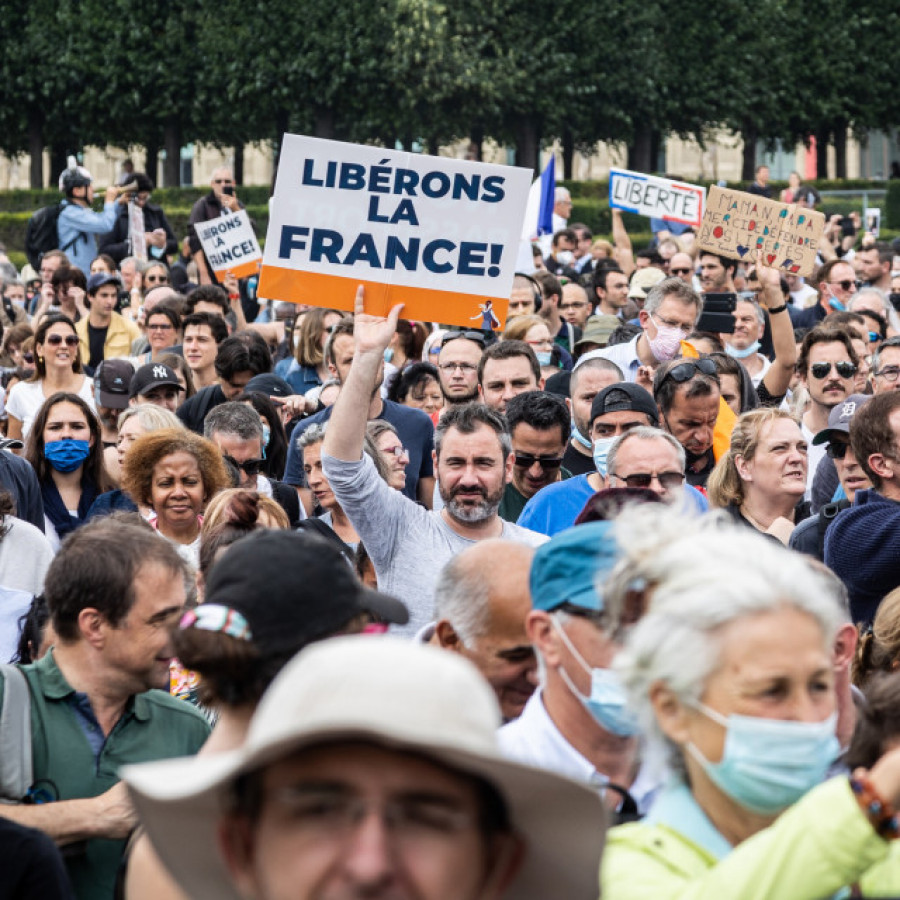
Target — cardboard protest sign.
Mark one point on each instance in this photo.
(438, 235)
(230, 244)
(737, 223)
(661, 198)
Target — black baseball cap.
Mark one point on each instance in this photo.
(293, 588)
(270, 385)
(112, 383)
(151, 376)
(624, 395)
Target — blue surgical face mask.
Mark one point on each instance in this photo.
(601, 451)
(769, 764)
(608, 703)
(585, 442)
(742, 354)
(66, 455)
(545, 358)
(388, 354)
(267, 433)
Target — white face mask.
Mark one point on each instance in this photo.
(667, 341)
(565, 257)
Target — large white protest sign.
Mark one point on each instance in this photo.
(230, 244)
(438, 235)
(660, 198)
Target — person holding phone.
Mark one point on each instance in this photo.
(220, 201)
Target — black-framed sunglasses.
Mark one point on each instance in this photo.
(250, 467)
(527, 460)
(680, 271)
(476, 336)
(844, 368)
(837, 449)
(71, 340)
(847, 285)
(667, 480)
(686, 370)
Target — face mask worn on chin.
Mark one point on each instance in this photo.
(66, 455)
(769, 764)
(742, 354)
(608, 703)
(601, 451)
(585, 442)
(666, 343)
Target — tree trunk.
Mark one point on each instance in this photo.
(238, 164)
(822, 139)
(324, 126)
(527, 144)
(748, 163)
(36, 150)
(840, 151)
(151, 163)
(281, 127)
(58, 160)
(476, 144)
(655, 145)
(640, 152)
(172, 143)
(568, 154)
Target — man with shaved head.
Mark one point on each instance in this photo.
(480, 608)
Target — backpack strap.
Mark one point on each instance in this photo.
(16, 772)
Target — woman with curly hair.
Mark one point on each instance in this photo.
(878, 650)
(175, 473)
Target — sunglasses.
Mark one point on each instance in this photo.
(680, 271)
(28, 357)
(666, 480)
(874, 336)
(157, 279)
(685, 371)
(847, 285)
(55, 340)
(526, 461)
(844, 369)
(222, 181)
(476, 336)
(165, 327)
(837, 449)
(248, 466)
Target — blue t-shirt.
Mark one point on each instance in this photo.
(413, 426)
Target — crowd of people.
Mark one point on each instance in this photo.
(305, 603)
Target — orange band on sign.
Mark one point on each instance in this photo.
(337, 292)
(244, 270)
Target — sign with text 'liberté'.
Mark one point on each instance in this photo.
(660, 198)
(737, 224)
(438, 235)
(230, 244)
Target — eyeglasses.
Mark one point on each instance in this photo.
(399, 451)
(166, 327)
(222, 181)
(544, 343)
(476, 336)
(680, 271)
(685, 371)
(157, 279)
(449, 367)
(889, 373)
(847, 285)
(527, 460)
(248, 466)
(837, 449)
(55, 340)
(666, 480)
(821, 370)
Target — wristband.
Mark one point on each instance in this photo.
(879, 812)
(777, 309)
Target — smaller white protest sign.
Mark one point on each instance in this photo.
(660, 198)
(230, 244)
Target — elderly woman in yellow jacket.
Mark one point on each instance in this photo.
(731, 672)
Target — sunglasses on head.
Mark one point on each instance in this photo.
(837, 449)
(248, 466)
(689, 368)
(476, 336)
(666, 480)
(527, 460)
(821, 370)
(55, 340)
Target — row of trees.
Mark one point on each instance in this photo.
(229, 72)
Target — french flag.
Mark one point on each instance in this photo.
(538, 214)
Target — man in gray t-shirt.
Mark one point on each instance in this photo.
(473, 463)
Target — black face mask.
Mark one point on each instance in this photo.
(894, 297)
